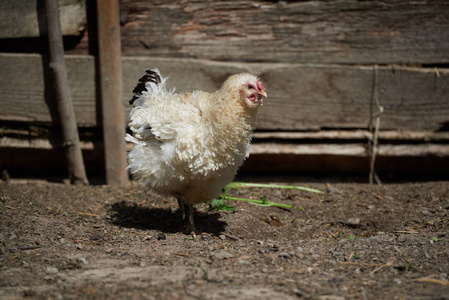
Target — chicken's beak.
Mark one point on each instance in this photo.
(263, 93)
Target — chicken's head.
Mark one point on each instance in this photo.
(249, 89)
(252, 93)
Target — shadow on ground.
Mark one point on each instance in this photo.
(131, 215)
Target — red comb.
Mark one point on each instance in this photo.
(259, 85)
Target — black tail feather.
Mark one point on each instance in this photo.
(150, 76)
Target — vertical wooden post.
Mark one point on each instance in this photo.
(74, 157)
(109, 47)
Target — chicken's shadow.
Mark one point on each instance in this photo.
(131, 215)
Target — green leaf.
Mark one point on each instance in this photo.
(300, 208)
(219, 205)
(202, 269)
(264, 202)
(357, 256)
(351, 237)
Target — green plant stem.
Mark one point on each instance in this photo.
(274, 186)
(258, 202)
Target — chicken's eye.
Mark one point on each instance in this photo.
(250, 86)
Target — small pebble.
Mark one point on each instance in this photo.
(51, 270)
(283, 254)
(222, 237)
(354, 221)
(161, 236)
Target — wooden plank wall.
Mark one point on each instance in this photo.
(347, 32)
(24, 18)
(317, 58)
(301, 97)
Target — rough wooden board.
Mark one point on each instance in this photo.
(339, 31)
(39, 143)
(353, 150)
(111, 84)
(345, 135)
(350, 149)
(20, 18)
(26, 94)
(300, 96)
(316, 96)
(426, 160)
(388, 167)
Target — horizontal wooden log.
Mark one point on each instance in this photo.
(32, 134)
(407, 161)
(338, 167)
(353, 150)
(39, 143)
(272, 148)
(300, 96)
(341, 31)
(26, 18)
(345, 135)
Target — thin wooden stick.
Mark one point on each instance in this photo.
(430, 280)
(382, 266)
(88, 214)
(74, 157)
(374, 141)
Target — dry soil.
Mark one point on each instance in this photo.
(354, 241)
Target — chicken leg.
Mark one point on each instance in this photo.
(187, 214)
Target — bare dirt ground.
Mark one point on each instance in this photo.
(353, 242)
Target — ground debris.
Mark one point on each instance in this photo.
(368, 242)
(222, 254)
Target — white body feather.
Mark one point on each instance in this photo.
(188, 144)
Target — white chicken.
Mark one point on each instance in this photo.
(191, 145)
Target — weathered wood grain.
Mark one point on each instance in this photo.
(313, 97)
(341, 31)
(350, 149)
(26, 91)
(408, 161)
(24, 18)
(354, 150)
(63, 97)
(300, 96)
(111, 84)
(351, 135)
